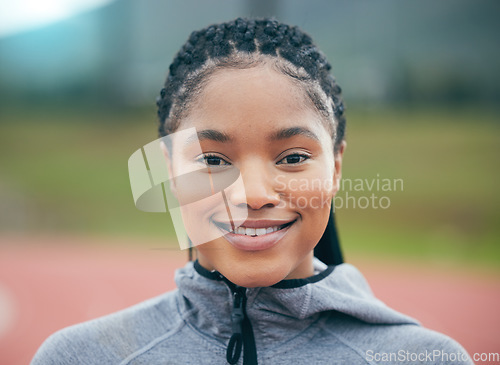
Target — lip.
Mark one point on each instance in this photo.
(255, 223)
(257, 243)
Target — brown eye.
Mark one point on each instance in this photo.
(293, 159)
(213, 160)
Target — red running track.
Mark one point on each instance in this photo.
(48, 283)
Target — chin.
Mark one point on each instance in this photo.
(262, 268)
(258, 277)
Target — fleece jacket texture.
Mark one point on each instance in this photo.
(329, 318)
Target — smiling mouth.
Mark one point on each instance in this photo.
(252, 232)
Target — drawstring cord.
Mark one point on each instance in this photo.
(236, 342)
(242, 340)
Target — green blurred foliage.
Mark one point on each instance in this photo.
(448, 207)
(65, 170)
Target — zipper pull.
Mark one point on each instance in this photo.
(237, 315)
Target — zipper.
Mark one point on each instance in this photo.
(242, 337)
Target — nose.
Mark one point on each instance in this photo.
(258, 190)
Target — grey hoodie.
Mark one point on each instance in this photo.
(329, 318)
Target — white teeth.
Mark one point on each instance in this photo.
(255, 231)
(260, 231)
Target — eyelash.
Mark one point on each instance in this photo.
(223, 162)
(207, 156)
(302, 159)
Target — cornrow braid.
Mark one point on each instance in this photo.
(245, 43)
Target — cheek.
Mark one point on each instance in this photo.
(196, 219)
(206, 201)
(307, 191)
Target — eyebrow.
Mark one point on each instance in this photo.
(291, 132)
(210, 134)
(218, 136)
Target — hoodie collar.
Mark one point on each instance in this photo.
(284, 309)
(283, 284)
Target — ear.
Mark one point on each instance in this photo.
(168, 161)
(337, 173)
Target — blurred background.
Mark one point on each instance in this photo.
(78, 83)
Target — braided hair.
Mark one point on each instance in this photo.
(246, 43)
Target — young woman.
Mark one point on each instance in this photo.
(261, 101)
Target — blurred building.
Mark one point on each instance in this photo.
(382, 52)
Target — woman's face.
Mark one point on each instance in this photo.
(259, 122)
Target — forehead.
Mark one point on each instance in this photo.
(259, 86)
(254, 100)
